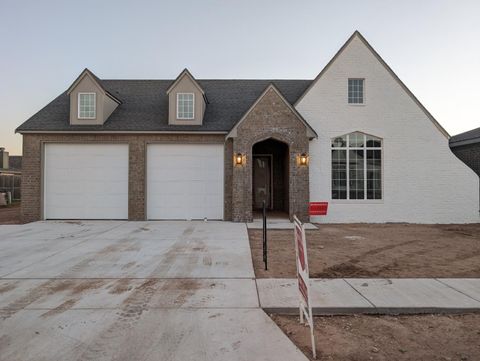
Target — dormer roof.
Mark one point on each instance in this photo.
(96, 80)
(185, 73)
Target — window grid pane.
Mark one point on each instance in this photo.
(185, 106)
(339, 174)
(87, 105)
(355, 91)
(374, 174)
(356, 167)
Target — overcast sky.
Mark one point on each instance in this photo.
(432, 45)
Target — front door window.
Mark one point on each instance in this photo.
(261, 181)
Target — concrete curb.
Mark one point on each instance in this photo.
(343, 311)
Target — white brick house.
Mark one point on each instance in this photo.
(422, 180)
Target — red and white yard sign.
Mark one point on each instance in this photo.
(303, 278)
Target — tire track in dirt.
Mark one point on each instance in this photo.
(139, 300)
(130, 315)
(62, 283)
(351, 268)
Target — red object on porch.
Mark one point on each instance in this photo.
(318, 208)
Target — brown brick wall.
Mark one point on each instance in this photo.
(228, 176)
(32, 166)
(271, 118)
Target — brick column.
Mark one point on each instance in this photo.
(136, 180)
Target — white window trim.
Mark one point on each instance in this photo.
(94, 105)
(193, 106)
(347, 148)
(364, 94)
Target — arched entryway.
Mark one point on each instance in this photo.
(270, 177)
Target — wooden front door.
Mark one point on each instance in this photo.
(262, 172)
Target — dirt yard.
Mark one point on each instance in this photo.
(425, 337)
(370, 250)
(10, 214)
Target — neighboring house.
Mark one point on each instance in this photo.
(466, 146)
(15, 162)
(4, 164)
(10, 174)
(354, 137)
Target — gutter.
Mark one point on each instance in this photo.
(117, 132)
(464, 142)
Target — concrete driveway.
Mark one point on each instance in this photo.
(132, 291)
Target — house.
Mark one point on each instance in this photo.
(4, 158)
(15, 162)
(354, 137)
(466, 146)
(10, 175)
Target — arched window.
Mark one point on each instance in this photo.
(356, 167)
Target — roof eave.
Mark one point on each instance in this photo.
(99, 131)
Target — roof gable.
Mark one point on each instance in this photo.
(358, 35)
(185, 73)
(87, 73)
(310, 131)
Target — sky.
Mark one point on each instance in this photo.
(432, 45)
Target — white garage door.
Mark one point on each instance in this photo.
(185, 181)
(86, 181)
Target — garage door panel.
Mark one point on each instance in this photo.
(86, 181)
(185, 181)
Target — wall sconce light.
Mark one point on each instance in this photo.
(303, 159)
(238, 159)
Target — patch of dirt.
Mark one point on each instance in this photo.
(128, 265)
(87, 285)
(374, 250)
(54, 286)
(10, 214)
(402, 338)
(50, 287)
(61, 308)
(120, 286)
(6, 287)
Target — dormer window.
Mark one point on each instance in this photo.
(87, 108)
(185, 105)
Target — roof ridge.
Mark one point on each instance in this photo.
(216, 79)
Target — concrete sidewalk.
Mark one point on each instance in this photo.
(374, 296)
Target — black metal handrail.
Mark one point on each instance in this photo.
(265, 252)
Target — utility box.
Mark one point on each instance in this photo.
(3, 159)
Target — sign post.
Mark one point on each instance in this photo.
(305, 305)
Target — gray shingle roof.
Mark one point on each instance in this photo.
(470, 137)
(145, 106)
